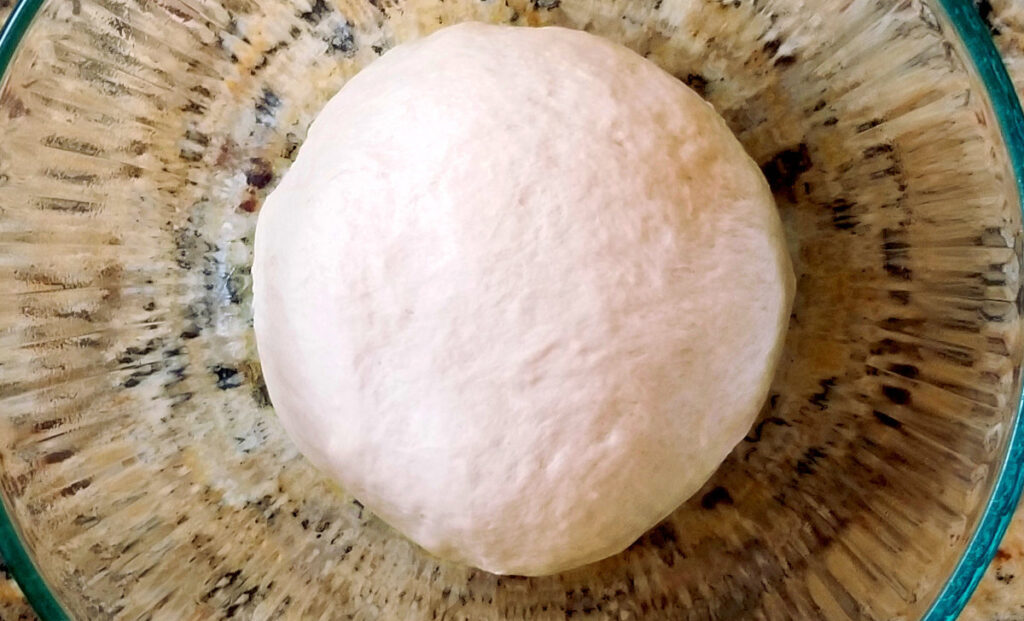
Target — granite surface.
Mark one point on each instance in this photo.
(13, 606)
(1000, 597)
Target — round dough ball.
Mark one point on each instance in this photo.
(520, 294)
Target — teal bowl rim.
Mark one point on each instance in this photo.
(1006, 492)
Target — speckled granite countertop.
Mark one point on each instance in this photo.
(1000, 596)
(13, 606)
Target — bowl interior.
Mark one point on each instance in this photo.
(148, 477)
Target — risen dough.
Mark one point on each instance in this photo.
(521, 293)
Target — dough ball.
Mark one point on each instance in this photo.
(520, 294)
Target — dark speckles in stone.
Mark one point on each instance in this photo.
(266, 108)
(830, 121)
(891, 171)
(898, 271)
(46, 425)
(755, 435)
(188, 155)
(863, 127)
(580, 601)
(75, 487)
(903, 324)
(130, 172)
(57, 456)
(785, 167)
(546, 4)
(133, 353)
(193, 108)
(267, 56)
(894, 253)
(67, 205)
(260, 173)
(177, 375)
(664, 534)
(197, 137)
(887, 420)
(697, 82)
(294, 32)
(717, 496)
(342, 40)
(199, 312)
(224, 582)
(841, 218)
(291, 146)
(316, 12)
(73, 145)
(15, 106)
(72, 177)
(260, 394)
(984, 8)
(820, 399)
(994, 237)
(906, 370)
(122, 29)
(785, 60)
(892, 240)
(242, 600)
(227, 376)
(142, 373)
(903, 297)
(86, 520)
(994, 278)
(806, 465)
(249, 205)
(235, 284)
(275, 48)
(877, 150)
(897, 395)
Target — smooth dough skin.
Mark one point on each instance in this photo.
(520, 294)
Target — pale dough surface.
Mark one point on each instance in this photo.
(521, 293)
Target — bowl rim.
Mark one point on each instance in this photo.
(982, 55)
(1006, 492)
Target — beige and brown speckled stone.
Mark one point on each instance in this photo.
(13, 606)
(146, 468)
(1000, 595)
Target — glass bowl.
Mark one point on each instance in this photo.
(146, 477)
